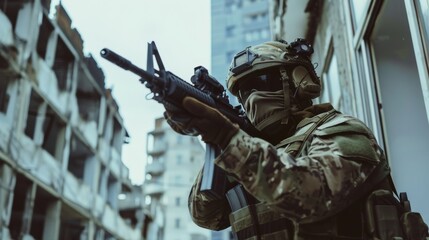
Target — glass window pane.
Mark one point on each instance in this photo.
(331, 83)
(402, 104)
(359, 8)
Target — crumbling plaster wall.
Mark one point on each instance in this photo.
(332, 32)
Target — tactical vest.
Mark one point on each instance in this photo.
(251, 220)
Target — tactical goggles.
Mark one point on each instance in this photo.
(264, 81)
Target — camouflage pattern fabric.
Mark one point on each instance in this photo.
(335, 161)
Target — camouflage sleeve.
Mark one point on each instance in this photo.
(312, 186)
(207, 212)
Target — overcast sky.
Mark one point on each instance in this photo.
(181, 30)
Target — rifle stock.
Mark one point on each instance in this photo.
(169, 89)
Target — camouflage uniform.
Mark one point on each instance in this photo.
(325, 177)
(301, 187)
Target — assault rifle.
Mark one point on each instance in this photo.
(169, 90)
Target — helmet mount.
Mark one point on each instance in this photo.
(294, 58)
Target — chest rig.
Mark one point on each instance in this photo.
(252, 220)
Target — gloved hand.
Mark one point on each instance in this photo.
(213, 126)
(179, 120)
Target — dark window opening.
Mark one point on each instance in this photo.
(101, 183)
(117, 139)
(79, 154)
(11, 9)
(96, 72)
(53, 129)
(4, 95)
(72, 224)
(107, 129)
(63, 60)
(42, 202)
(112, 191)
(33, 114)
(22, 186)
(88, 98)
(89, 105)
(45, 32)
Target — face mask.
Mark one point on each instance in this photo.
(264, 108)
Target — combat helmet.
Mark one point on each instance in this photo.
(292, 60)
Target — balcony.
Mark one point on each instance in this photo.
(153, 188)
(155, 168)
(158, 151)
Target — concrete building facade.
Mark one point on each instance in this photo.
(236, 24)
(174, 161)
(373, 59)
(61, 135)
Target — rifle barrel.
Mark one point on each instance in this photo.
(124, 63)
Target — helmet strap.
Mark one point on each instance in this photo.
(285, 81)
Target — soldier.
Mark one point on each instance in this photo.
(308, 175)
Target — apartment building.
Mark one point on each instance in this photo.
(61, 135)
(373, 58)
(174, 161)
(236, 24)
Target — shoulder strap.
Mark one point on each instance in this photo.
(297, 142)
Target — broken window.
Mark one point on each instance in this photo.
(80, 154)
(102, 182)
(88, 98)
(62, 63)
(4, 96)
(72, 224)
(11, 9)
(108, 122)
(18, 216)
(4, 83)
(54, 134)
(42, 214)
(33, 113)
(45, 32)
(117, 139)
(112, 191)
(96, 72)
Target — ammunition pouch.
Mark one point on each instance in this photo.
(251, 220)
(388, 218)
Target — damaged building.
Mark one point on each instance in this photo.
(61, 136)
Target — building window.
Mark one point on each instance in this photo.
(4, 95)
(331, 89)
(230, 31)
(256, 35)
(401, 101)
(255, 18)
(333, 82)
(177, 223)
(359, 10)
(365, 92)
(177, 202)
(231, 5)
